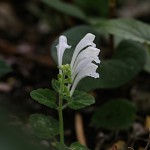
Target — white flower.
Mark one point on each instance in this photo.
(88, 70)
(86, 56)
(61, 47)
(83, 61)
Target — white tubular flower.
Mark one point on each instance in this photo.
(88, 70)
(86, 41)
(87, 55)
(82, 62)
(61, 47)
(84, 59)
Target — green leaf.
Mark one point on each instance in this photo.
(4, 68)
(45, 97)
(115, 115)
(126, 28)
(13, 137)
(80, 100)
(65, 8)
(78, 146)
(129, 29)
(60, 146)
(147, 65)
(44, 126)
(96, 8)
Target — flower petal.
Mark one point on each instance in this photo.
(90, 54)
(86, 41)
(61, 47)
(80, 66)
(88, 70)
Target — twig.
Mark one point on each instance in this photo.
(79, 129)
(114, 147)
(148, 143)
(131, 148)
(9, 49)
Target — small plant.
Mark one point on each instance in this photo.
(84, 63)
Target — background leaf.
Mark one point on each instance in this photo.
(94, 8)
(115, 115)
(126, 28)
(78, 146)
(60, 146)
(147, 65)
(44, 126)
(65, 8)
(45, 97)
(13, 138)
(4, 68)
(80, 100)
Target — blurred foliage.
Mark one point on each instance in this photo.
(147, 65)
(126, 28)
(45, 127)
(73, 146)
(65, 8)
(4, 68)
(115, 115)
(14, 135)
(94, 7)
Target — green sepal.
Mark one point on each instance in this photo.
(80, 100)
(44, 96)
(56, 85)
(67, 98)
(44, 127)
(66, 91)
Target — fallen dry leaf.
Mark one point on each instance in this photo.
(147, 122)
(119, 145)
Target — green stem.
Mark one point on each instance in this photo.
(60, 111)
(61, 124)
